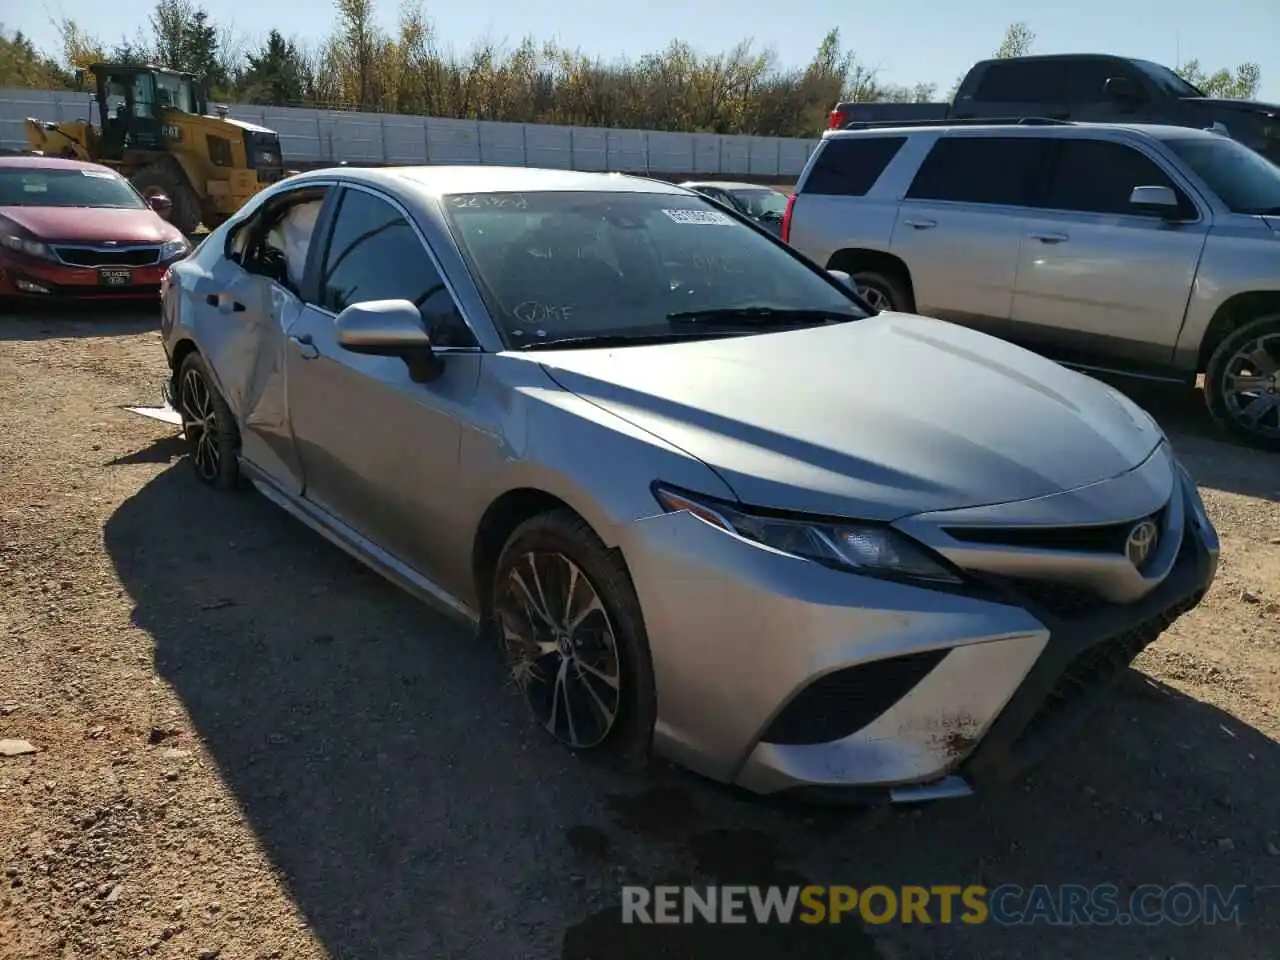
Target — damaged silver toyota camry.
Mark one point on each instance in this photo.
(706, 504)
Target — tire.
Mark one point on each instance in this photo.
(165, 179)
(1233, 381)
(213, 440)
(883, 291)
(555, 541)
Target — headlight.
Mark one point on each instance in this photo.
(174, 248)
(32, 248)
(848, 545)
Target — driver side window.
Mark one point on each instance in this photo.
(275, 242)
(375, 254)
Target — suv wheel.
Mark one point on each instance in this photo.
(882, 291)
(1242, 383)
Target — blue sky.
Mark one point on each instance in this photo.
(930, 40)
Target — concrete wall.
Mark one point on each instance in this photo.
(320, 137)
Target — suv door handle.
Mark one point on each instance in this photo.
(920, 224)
(306, 347)
(1049, 237)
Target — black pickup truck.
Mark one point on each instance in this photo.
(1088, 87)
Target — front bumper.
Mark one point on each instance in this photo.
(34, 279)
(780, 675)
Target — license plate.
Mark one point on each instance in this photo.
(115, 276)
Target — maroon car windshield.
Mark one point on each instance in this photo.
(35, 187)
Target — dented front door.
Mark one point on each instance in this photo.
(243, 318)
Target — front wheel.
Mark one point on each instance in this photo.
(573, 638)
(213, 441)
(1242, 383)
(882, 291)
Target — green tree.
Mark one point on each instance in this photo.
(276, 74)
(1239, 84)
(22, 65)
(185, 38)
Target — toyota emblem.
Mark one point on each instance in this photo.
(1141, 542)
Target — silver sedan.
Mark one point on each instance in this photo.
(703, 500)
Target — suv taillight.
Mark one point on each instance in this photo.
(786, 219)
(836, 120)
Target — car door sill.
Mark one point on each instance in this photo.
(361, 547)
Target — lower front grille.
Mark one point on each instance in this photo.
(842, 702)
(86, 256)
(1096, 666)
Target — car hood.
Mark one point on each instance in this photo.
(92, 224)
(1233, 106)
(875, 419)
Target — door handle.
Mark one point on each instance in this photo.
(921, 224)
(306, 347)
(1049, 237)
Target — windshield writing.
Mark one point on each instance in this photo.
(562, 265)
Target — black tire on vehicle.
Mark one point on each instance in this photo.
(213, 440)
(166, 179)
(1242, 383)
(573, 641)
(884, 291)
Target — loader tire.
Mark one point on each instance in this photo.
(185, 214)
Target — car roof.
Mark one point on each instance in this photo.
(35, 162)
(479, 178)
(1160, 131)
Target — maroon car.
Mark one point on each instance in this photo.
(72, 230)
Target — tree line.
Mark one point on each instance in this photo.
(409, 70)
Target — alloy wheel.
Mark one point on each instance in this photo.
(878, 299)
(1251, 386)
(200, 425)
(561, 647)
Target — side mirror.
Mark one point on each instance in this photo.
(843, 278)
(160, 204)
(1124, 90)
(390, 328)
(1155, 201)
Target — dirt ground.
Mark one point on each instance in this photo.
(250, 747)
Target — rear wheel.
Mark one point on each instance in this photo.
(1242, 383)
(213, 441)
(882, 290)
(158, 179)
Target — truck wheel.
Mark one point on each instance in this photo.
(1242, 383)
(185, 214)
(883, 291)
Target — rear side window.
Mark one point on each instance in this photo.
(1025, 81)
(850, 166)
(994, 170)
(1098, 176)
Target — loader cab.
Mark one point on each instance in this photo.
(133, 104)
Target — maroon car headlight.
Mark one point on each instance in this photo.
(173, 249)
(31, 248)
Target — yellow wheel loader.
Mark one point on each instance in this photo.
(157, 131)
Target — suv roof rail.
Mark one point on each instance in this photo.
(965, 122)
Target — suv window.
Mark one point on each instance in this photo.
(995, 170)
(374, 254)
(1025, 81)
(851, 165)
(1244, 180)
(1097, 176)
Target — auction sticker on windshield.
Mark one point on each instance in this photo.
(700, 216)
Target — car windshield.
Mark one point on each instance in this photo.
(34, 187)
(1246, 181)
(762, 204)
(602, 265)
(1170, 81)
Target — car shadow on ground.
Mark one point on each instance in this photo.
(42, 322)
(395, 781)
